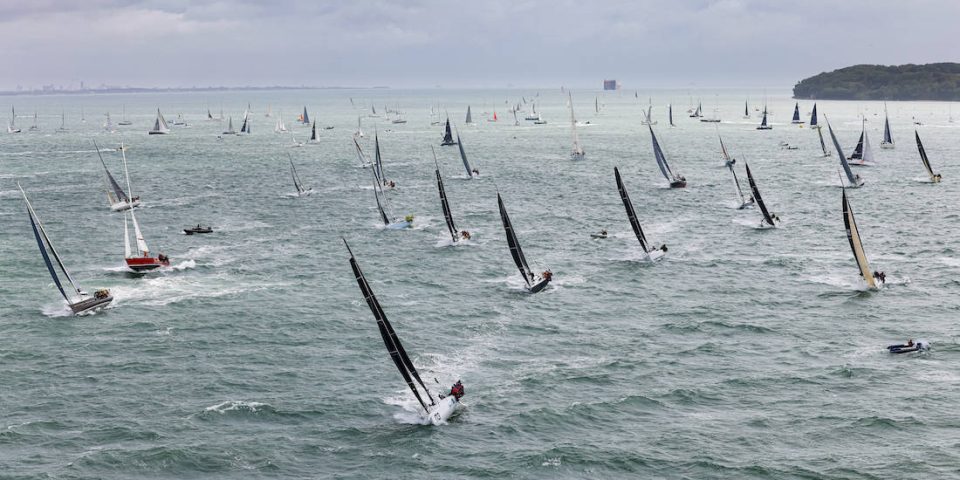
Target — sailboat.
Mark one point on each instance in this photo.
(763, 122)
(729, 162)
(714, 118)
(301, 191)
(698, 112)
(469, 119)
(438, 411)
(676, 181)
(534, 283)
(209, 115)
(494, 119)
(447, 135)
(269, 111)
(813, 117)
(463, 156)
(397, 223)
(934, 177)
(651, 253)
(577, 152)
(108, 124)
(364, 163)
(648, 116)
(12, 126)
(670, 114)
(118, 199)
(280, 127)
(768, 218)
(304, 118)
(887, 142)
(455, 235)
(63, 123)
(36, 123)
(245, 127)
(230, 130)
(853, 236)
(823, 146)
(863, 154)
(853, 180)
(313, 133)
(746, 109)
(142, 261)
(796, 114)
(123, 119)
(378, 163)
(79, 301)
(160, 125)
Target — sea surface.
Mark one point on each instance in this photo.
(745, 353)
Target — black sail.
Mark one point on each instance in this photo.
(515, 251)
(390, 339)
(631, 214)
(446, 207)
(923, 155)
(756, 196)
(447, 135)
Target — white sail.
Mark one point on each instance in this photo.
(280, 127)
(160, 124)
(577, 153)
(141, 243)
(867, 150)
(126, 239)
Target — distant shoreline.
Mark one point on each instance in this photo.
(114, 90)
(929, 82)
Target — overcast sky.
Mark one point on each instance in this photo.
(452, 43)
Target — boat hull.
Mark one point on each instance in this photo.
(447, 144)
(121, 206)
(156, 133)
(765, 128)
(90, 304)
(443, 410)
(678, 184)
(191, 231)
(887, 146)
(918, 346)
(536, 287)
(144, 264)
(399, 225)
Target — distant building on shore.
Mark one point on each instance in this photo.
(611, 85)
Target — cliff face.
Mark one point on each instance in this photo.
(934, 81)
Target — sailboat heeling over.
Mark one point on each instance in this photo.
(447, 215)
(377, 193)
(117, 190)
(377, 160)
(389, 336)
(843, 159)
(813, 116)
(823, 146)
(631, 214)
(43, 242)
(296, 178)
(923, 157)
(515, 251)
(756, 196)
(853, 236)
(661, 158)
(463, 156)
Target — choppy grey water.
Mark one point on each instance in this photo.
(745, 353)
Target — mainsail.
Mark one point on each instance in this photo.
(853, 179)
(447, 134)
(661, 159)
(796, 113)
(377, 160)
(230, 130)
(823, 146)
(296, 178)
(463, 156)
(756, 197)
(305, 118)
(887, 137)
(43, 241)
(763, 122)
(631, 214)
(853, 235)
(390, 339)
(813, 116)
(313, 132)
(670, 114)
(515, 251)
(577, 153)
(118, 194)
(245, 128)
(443, 200)
(923, 157)
(160, 124)
(469, 118)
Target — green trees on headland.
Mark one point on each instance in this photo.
(934, 81)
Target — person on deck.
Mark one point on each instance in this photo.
(464, 234)
(547, 275)
(457, 390)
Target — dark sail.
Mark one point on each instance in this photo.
(296, 178)
(513, 243)
(306, 118)
(858, 152)
(463, 156)
(245, 128)
(313, 132)
(447, 135)
(887, 138)
(446, 207)
(796, 113)
(853, 236)
(383, 214)
(46, 257)
(117, 190)
(756, 196)
(813, 116)
(661, 158)
(670, 114)
(390, 339)
(377, 162)
(923, 155)
(746, 109)
(631, 214)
